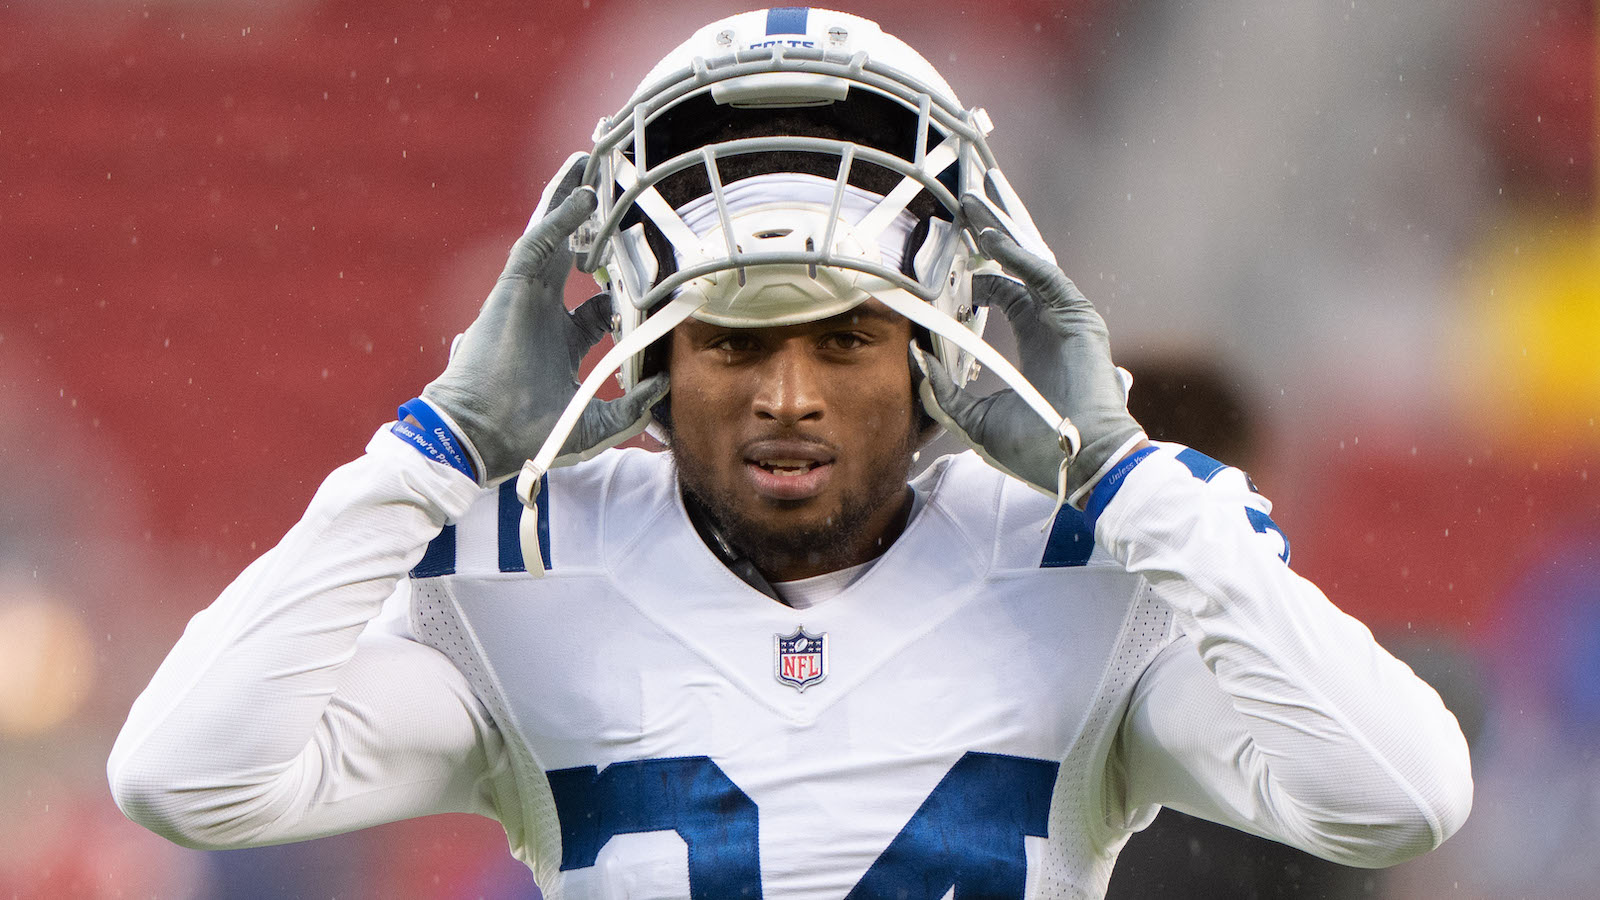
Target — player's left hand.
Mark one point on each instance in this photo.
(514, 370)
(1064, 350)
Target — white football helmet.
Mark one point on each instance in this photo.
(781, 166)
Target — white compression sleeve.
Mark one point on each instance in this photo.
(1277, 714)
(275, 718)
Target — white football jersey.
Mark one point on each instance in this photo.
(987, 712)
(942, 724)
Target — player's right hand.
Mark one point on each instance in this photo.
(1064, 351)
(515, 368)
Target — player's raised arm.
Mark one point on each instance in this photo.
(1308, 731)
(272, 720)
(1276, 713)
(279, 715)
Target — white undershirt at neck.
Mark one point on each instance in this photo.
(804, 593)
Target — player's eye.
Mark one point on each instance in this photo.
(844, 340)
(733, 342)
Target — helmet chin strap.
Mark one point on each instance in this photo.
(908, 305)
(534, 469)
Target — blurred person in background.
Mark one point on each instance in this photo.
(766, 647)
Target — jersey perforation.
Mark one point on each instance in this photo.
(1081, 790)
(437, 621)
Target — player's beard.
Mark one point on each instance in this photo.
(830, 545)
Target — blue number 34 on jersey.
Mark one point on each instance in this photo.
(967, 836)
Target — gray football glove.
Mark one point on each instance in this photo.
(1063, 349)
(514, 370)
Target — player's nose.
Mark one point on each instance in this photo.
(788, 386)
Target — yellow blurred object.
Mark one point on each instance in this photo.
(46, 662)
(1531, 353)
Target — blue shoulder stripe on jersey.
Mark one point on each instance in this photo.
(787, 20)
(510, 526)
(1200, 465)
(440, 557)
(1071, 540)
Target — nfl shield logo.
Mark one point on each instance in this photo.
(800, 659)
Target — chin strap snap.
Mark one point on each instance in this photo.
(1071, 442)
(528, 525)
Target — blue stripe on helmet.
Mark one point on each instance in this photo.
(787, 20)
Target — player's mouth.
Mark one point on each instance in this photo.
(788, 470)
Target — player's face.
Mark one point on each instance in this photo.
(797, 439)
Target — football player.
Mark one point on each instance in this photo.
(762, 663)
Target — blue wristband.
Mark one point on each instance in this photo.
(1111, 482)
(433, 439)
